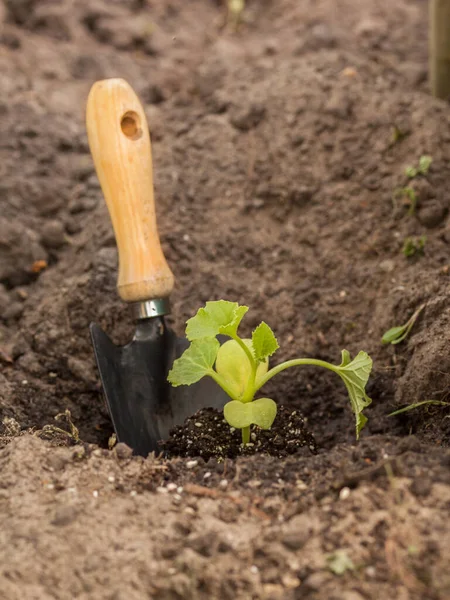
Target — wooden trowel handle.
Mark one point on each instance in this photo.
(119, 140)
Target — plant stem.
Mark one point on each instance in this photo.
(245, 348)
(245, 435)
(296, 362)
(223, 384)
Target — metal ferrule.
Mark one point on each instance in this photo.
(150, 308)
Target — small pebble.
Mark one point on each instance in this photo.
(223, 484)
(95, 493)
(111, 479)
(53, 234)
(254, 569)
(290, 581)
(171, 487)
(198, 424)
(162, 490)
(207, 475)
(133, 493)
(344, 493)
(371, 571)
(179, 489)
(191, 464)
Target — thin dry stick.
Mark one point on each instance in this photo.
(439, 48)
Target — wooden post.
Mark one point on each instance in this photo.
(439, 48)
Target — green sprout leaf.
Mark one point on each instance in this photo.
(417, 405)
(355, 374)
(261, 412)
(408, 196)
(339, 562)
(414, 245)
(195, 362)
(216, 317)
(411, 172)
(264, 342)
(395, 335)
(424, 164)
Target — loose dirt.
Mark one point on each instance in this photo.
(279, 149)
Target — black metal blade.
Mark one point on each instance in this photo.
(142, 404)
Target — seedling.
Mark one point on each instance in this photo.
(408, 196)
(49, 430)
(241, 366)
(413, 246)
(235, 11)
(424, 164)
(398, 334)
(339, 562)
(398, 134)
(417, 405)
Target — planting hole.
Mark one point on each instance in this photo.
(130, 125)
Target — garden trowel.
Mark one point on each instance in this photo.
(142, 404)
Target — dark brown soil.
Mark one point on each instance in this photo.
(207, 434)
(278, 151)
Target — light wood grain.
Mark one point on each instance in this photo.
(439, 48)
(120, 145)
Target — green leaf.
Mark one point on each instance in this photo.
(232, 327)
(216, 317)
(195, 362)
(264, 342)
(394, 335)
(410, 172)
(424, 164)
(398, 334)
(355, 374)
(339, 562)
(261, 412)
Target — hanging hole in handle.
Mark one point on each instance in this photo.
(131, 125)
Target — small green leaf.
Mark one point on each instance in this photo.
(195, 362)
(355, 374)
(264, 342)
(261, 412)
(414, 245)
(410, 172)
(392, 335)
(395, 335)
(339, 562)
(424, 164)
(216, 317)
